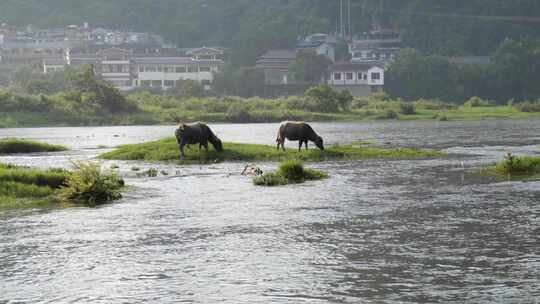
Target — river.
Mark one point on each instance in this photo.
(377, 231)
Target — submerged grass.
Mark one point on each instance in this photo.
(22, 187)
(289, 172)
(15, 145)
(167, 150)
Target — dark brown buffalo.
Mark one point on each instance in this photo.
(300, 131)
(197, 133)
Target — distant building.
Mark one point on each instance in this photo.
(320, 44)
(361, 79)
(375, 46)
(127, 70)
(275, 65)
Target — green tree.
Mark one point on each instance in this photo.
(309, 67)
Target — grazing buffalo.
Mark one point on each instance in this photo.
(197, 133)
(300, 131)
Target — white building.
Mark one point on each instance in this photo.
(121, 68)
(380, 45)
(165, 72)
(361, 79)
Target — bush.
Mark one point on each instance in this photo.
(476, 101)
(512, 165)
(528, 106)
(89, 185)
(292, 170)
(388, 114)
(433, 104)
(407, 108)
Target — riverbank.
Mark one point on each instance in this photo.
(75, 108)
(167, 150)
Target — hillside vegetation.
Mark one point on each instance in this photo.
(250, 26)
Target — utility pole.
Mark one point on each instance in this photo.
(349, 20)
(341, 18)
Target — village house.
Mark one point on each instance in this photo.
(127, 70)
(275, 65)
(361, 79)
(379, 45)
(320, 44)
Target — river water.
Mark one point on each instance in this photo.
(377, 231)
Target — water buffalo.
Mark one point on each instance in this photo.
(197, 133)
(300, 131)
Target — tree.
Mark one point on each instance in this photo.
(187, 89)
(309, 67)
(328, 100)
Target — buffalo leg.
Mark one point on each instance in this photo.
(300, 142)
(306, 142)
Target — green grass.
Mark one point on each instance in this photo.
(22, 187)
(167, 150)
(14, 146)
(289, 172)
(525, 166)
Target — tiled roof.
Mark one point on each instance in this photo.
(351, 66)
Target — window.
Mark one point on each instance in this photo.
(156, 83)
(349, 76)
(205, 82)
(169, 83)
(167, 69)
(204, 69)
(180, 69)
(192, 69)
(150, 68)
(376, 76)
(160, 68)
(337, 76)
(145, 83)
(141, 68)
(365, 76)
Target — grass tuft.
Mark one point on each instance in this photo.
(289, 172)
(516, 166)
(14, 146)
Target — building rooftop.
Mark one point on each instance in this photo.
(279, 54)
(353, 66)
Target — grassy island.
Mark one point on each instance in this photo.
(289, 172)
(513, 166)
(167, 150)
(87, 184)
(15, 146)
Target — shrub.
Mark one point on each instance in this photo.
(528, 106)
(407, 108)
(89, 185)
(292, 170)
(433, 104)
(513, 165)
(270, 179)
(476, 101)
(388, 114)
